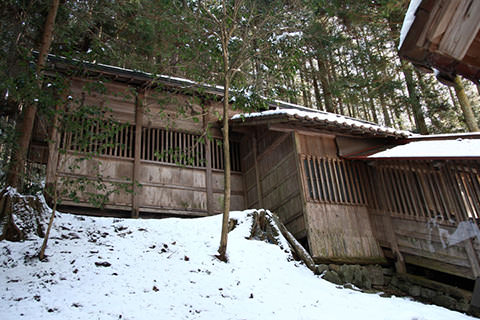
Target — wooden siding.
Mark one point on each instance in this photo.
(271, 177)
(336, 197)
(427, 203)
(341, 234)
(160, 143)
(113, 172)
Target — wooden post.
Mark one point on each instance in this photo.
(301, 183)
(388, 225)
(208, 168)
(472, 258)
(257, 173)
(136, 159)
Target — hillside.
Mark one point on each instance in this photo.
(105, 268)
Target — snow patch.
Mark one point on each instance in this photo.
(108, 268)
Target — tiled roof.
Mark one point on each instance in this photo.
(320, 119)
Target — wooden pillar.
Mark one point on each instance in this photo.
(472, 258)
(208, 168)
(302, 185)
(138, 148)
(400, 266)
(257, 173)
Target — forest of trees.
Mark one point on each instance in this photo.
(338, 56)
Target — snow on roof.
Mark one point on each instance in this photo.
(474, 135)
(458, 148)
(408, 21)
(147, 76)
(325, 117)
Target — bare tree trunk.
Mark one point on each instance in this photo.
(318, 98)
(222, 250)
(339, 105)
(327, 94)
(414, 101)
(41, 255)
(26, 127)
(386, 116)
(307, 101)
(468, 115)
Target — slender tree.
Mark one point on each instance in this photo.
(233, 33)
(30, 110)
(464, 102)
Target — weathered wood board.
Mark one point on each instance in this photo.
(279, 180)
(339, 233)
(426, 243)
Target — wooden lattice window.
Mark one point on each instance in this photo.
(99, 137)
(442, 190)
(334, 180)
(187, 149)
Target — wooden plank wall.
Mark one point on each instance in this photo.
(271, 177)
(426, 203)
(336, 195)
(170, 163)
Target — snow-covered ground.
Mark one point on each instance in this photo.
(106, 268)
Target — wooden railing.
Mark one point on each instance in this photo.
(185, 149)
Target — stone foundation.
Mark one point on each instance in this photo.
(375, 278)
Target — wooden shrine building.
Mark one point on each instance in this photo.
(443, 35)
(323, 174)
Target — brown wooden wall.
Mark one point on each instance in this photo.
(428, 213)
(271, 177)
(161, 144)
(337, 217)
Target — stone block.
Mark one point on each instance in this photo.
(321, 268)
(444, 301)
(332, 277)
(414, 291)
(376, 275)
(427, 293)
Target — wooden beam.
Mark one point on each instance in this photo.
(311, 132)
(139, 101)
(462, 30)
(472, 258)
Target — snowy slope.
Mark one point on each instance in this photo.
(104, 268)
